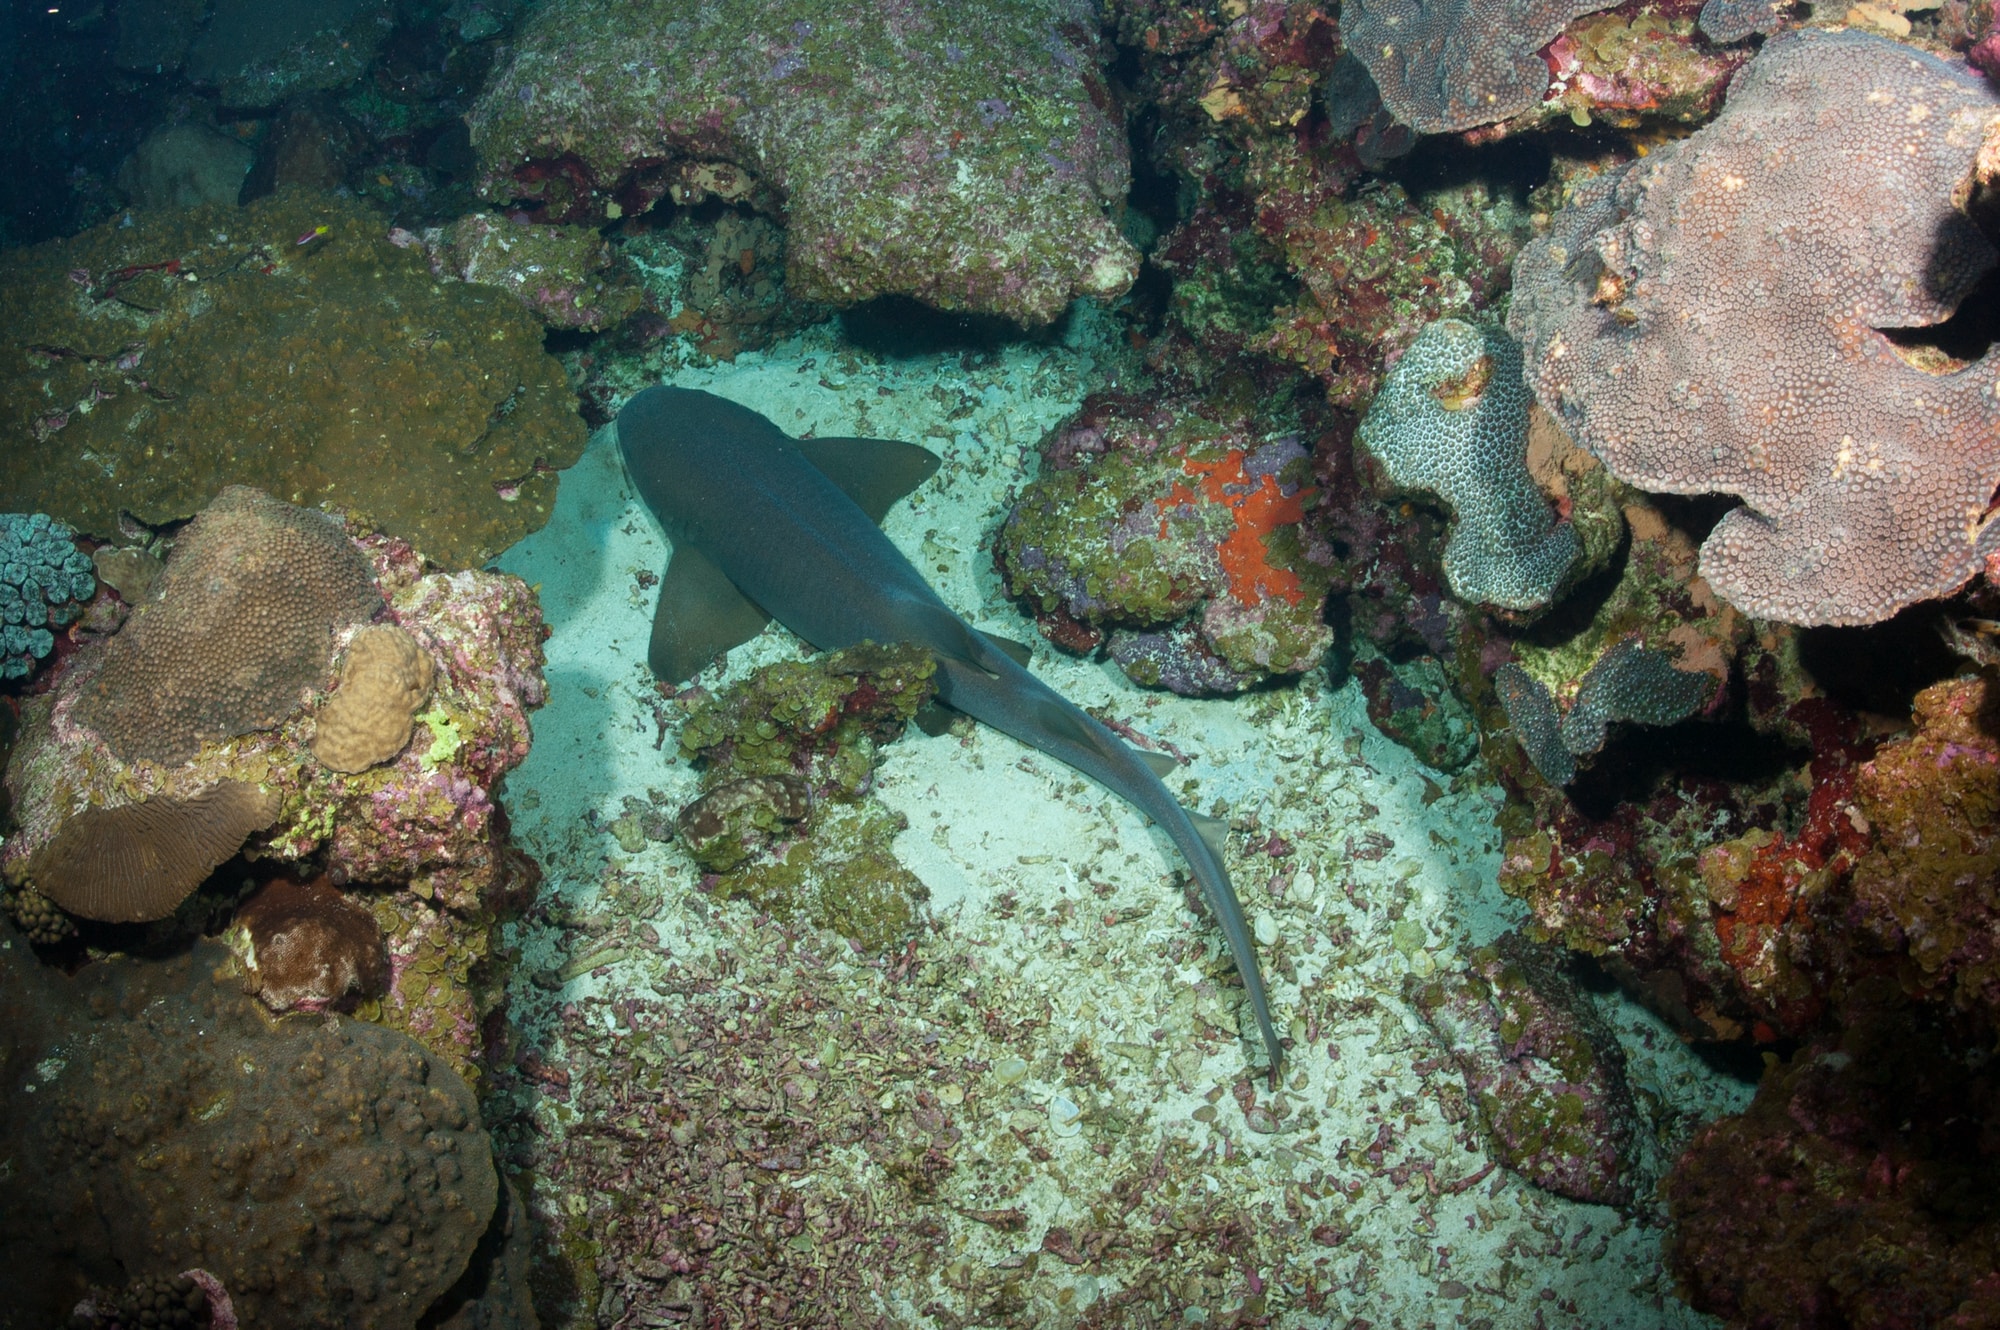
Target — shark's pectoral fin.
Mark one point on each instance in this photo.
(934, 718)
(872, 472)
(1019, 652)
(701, 615)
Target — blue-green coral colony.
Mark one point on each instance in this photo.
(44, 580)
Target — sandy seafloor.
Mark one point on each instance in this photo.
(1058, 915)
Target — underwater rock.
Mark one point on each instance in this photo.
(566, 276)
(329, 1173)
(135, 361)
(427, 817)
(1414, 703)
(960, 154)
(1857, 1190)
(1625, 69)
(1541, 1064)
(185, 166)
(1452, 420)
(785, 820)
(257, 53)
(1177, 530)
(44, 581)
(1692, 356)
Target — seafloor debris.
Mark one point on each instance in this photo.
(329, 1173)
(1692, 355)
(962, 154)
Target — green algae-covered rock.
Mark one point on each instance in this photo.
(963, 154)
(286, 345)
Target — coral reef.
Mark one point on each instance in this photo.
(961, 155)
(44, 580)
(1452, 420)
(426, 819)
(784, 820)
(139, 359)
(1691, 355)
(1173, 533)
(1543, 1067)
(238, 626)
(329, 1173)
(1858, 1190)
(1629, 683)
(1447, 65)
(137, 862)
(1624, 69)
(384, 679)
(304, 946)
(566, 276)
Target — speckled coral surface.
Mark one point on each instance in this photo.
(1452, 419)
(1445, 65)
(1706, 321)
(963, 154)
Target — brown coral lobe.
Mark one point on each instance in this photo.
(311, 946)
(136, 863)
(384, 680)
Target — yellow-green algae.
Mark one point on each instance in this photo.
(145, 366)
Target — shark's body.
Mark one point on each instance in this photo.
(760, 529)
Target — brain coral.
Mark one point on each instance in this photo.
(1707, 320)
(962, 154)
(143, 367)
(239, 625)
(44, 578)
(1447, 65)
(1452, 418)
(383, 681)
(329, 1172)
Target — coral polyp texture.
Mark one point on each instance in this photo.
(137, 862)
(384, 679)
(1174, 535)
(329, 1173)
(145, 365)
(1709, 320)
(426, 817)
(1452, 420)
(44, 580)
(238, 626)
(1447, 65)
(1629, 682)
(962, 154)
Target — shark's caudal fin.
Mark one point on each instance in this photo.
(701, 614)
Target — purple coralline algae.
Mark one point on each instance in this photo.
(1543, 1068)
(964, 155)
(1711, 319)
(1176, 537)
(1448, 65)
(1452, 420)
(566, 276)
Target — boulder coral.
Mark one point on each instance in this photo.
(327, 1173)
(966, 155)
(1447, 65)
(144, 367)
(384, 679)
(1714, 318)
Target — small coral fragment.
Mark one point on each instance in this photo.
(1452, 419)
(386, 677)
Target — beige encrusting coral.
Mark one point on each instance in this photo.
(385, 678)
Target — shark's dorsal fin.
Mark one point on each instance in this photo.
(1158, 763)
(1212, 831)
(701, 614)
(872, 472)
